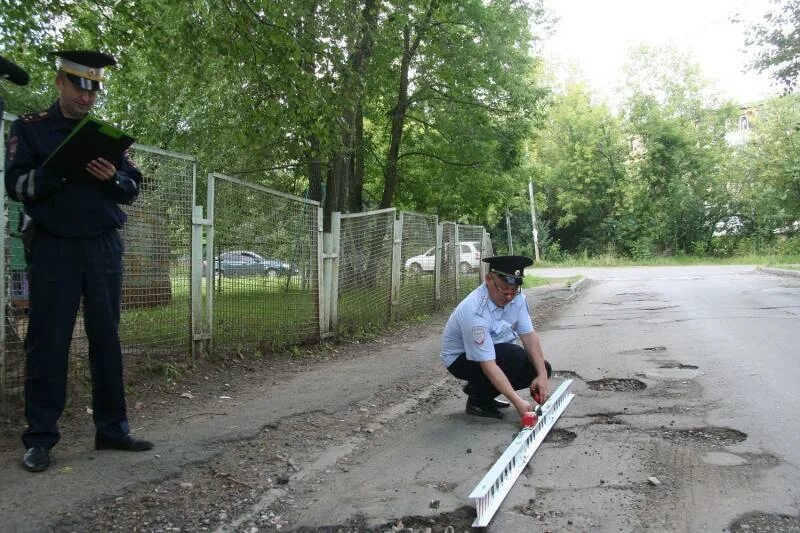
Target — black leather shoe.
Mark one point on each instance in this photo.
(501, 404)
(469, 390)
(36, 459)
(126, 443)
(488, 410)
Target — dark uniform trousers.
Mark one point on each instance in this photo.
(513, 361)
(61, 271)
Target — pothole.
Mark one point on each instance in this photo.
(647, 349)
(565, 374)
(445, 486)
(680, 366)
(617, 384)
(605, 418)
(459, 520)
(766, 523)
(712, 436)
(762, 459)
(560, 436)
(534, 510)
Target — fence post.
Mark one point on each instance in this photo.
(330, 277)
(336, 235)
(397, 244)
(210, 259)
(324, 266)
(484, 248)
(456, 255)
(437, 269)
(200, 334)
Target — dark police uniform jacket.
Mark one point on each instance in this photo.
(62, 206)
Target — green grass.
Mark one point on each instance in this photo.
(529, 282)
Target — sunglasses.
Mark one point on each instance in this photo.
(510, 280)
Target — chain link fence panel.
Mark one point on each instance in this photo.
(448, 269)
(155, 319)
(470, 256)
(265, 275)
(418, 263)
(15, 292)
(156, 296)
(365, 271)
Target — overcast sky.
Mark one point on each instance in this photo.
(595, 36)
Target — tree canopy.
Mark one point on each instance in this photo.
(433, 106)
(777, 38)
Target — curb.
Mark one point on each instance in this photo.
(780, 272)
(578, 285)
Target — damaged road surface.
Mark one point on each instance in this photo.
(685, 419)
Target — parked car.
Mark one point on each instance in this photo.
(469, 259)
(238, 263)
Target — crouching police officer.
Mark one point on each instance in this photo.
(74, 251)
(479, 342)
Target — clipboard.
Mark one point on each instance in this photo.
(90, 139)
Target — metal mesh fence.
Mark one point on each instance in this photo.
(265, 277)
(417, 260)
(449, 266)
(470, 256)
(365, 270)
(155, 300)
(15, 297)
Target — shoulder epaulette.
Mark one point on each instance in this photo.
(34, 117)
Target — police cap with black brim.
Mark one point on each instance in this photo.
(84, 68)
(510, 268)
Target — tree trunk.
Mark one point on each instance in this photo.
(398, 120)
(356, 186)
(354, 117)
(400, 108)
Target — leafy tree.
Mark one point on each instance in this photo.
(582, 153)
(463, 100)
(765, 171)
(304, 95)
(778, 40)
(676, 192)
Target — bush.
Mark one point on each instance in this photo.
(789, 246)
(723, 246)
(554, 253)
(642, 249)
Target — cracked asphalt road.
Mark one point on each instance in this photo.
(660, 437)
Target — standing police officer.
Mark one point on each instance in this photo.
(74, 250)
(479, 342)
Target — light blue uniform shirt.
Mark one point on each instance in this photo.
(477, 324)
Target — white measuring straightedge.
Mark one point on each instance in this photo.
(489, 493)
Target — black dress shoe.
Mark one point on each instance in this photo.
(501, 404)
(469, 390)
(480, 409)
(126, 443)
(36, 459)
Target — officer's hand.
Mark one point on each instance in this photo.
(539, 387)
(101, 169)
(522, 406)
